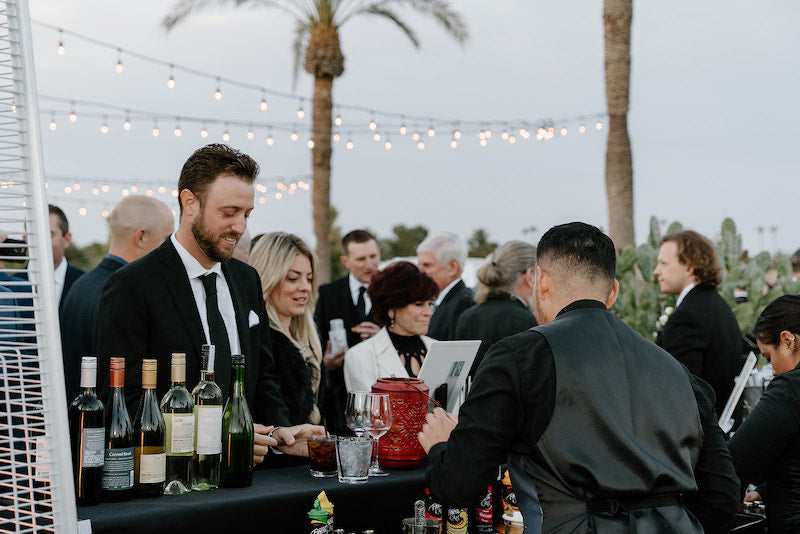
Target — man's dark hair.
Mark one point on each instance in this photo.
(203, 167)
(795, 259)
(581, 249)
(63, 223)
(356, 236)
(697, 252)
(781, 314)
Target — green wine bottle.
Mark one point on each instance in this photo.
(237, 431)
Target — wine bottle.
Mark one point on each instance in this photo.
(177, 408)
(87, 436)
(149, 433)
(237, 431)
(118, 470)
(208, 431)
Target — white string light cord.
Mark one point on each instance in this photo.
(418, 128)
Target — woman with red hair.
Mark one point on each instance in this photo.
(401, 303)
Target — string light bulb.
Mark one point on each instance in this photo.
(263, 104)
(53, 125)
(310, 143)
(421, 145)
(300, 113)
(127, 125)
(582, 128)
(162, 189)
(177, 131)
(453, 144)
(218, 92)
(336, 137)
(415, 136)
(403, 129)
(431, 132)
(504, 135)
(457, 134)
(270, 140)
(599, 125)
(105, 188)
(104, 128)
(376, 137)
(350, 145)
(82, 211)
(250, 135)
(512, 139)
(105, 214)
(338, 120)
(388, 145)
(294, 136)
(61, 50)
(118, 67)
(171, 80)
(373, 125)
(73, 117)
(483, 143)
(156, 131)
(226, 136)
(563, 132)
(204, 132)
(95, 191)
(134, 189)
(488, 133)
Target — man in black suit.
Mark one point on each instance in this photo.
(347, 299)
(138, 225)
(702, 332)
(442, 257)
(65, 274)
(189, 292)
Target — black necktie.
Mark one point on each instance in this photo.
(361, 304)
(218, 333)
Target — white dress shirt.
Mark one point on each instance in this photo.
(355, 285)
(684, 293)
(224, 299)
(60, 276)
(443, 293)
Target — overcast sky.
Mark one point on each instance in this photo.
(713, 120)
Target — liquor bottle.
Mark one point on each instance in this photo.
(177, 408)
(149, 458)
(87, 436)
(237, 431)
(208, 430)
(118, 470)
(433, 509)
(483, 522)
(456, 521)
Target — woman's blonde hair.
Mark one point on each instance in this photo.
(503, 268)
(271, 257)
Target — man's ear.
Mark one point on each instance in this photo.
(543, 283)
(612, 298)
(452, 268)
(68, 238)
(190, 202)
(138, 237)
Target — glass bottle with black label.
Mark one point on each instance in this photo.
(237, 431)
(207, 398)
(87, 436)
(117, 481)
(149, 434)
(177, 408)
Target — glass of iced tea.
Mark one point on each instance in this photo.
(322, 455)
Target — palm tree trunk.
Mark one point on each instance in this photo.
(321, 173)
(617, 16)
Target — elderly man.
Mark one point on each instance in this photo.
(702, 332)
(615, 434)
(189, 292)
(137, 226)
(442, 257)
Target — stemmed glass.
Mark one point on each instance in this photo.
(379, 421)
(356, 412)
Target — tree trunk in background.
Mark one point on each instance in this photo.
(617, 16)
(321, 173)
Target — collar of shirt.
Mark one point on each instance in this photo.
(684, 293)
(224, 299)
(355, 285)
(60, 275)
(445, 291)
(116, 259)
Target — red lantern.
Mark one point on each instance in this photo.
(399, 448)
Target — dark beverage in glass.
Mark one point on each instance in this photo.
(237, 431)
(322, 455)
(150, 459)
(87, 436)
(117, 483)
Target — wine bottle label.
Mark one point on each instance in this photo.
(93, 442)
(117, 469)
(209, 429)
(41, 460)
(180, 432)
(152, 468)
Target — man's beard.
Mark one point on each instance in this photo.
(538, 311)
(207, 241)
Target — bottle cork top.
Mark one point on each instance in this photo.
(178, 369)
(118, 363)
(149, 373)
(89, 362)
(117, 378)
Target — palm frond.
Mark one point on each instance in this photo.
(441, 11)
(378, 10)
(184, 8)
(301, 33)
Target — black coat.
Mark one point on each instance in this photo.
(294, 377)
(702, 334)
(77, 315)
(445, 318)
(73, 273)
(501, 315)
(147, 310)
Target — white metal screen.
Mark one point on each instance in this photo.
(36, 492)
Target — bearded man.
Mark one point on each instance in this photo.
(189, 292)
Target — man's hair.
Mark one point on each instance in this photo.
(356, 236)
(211, 161)
(445, 247)
(795, 259)
(578, 249)
(697, 252)
(63, 223)
(134, 212)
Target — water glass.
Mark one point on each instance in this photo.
(353, 455)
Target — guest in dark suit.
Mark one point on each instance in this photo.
(65, 274)
(442, 257)
(347, 299)
(504, 298)
(702, 332)
(137, 225)
(189, 292)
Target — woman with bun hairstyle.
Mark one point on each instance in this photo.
(401, 303)
(504, 298)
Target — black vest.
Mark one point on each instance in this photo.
(625, 426)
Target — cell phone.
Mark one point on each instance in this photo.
(8, 248)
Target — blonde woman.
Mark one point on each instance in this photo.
(286, 267)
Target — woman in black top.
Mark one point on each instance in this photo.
(504, 298)
(766, 448)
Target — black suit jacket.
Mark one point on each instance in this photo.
(147, 310)
(73, 273)
(77, 313)
(445, 318)
(702, 333)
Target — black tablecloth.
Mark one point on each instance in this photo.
(278, 501)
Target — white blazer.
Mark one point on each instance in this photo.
(372, 359)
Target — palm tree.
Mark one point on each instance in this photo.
(617, 16)
(317, 24)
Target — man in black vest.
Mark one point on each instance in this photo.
(615, 434)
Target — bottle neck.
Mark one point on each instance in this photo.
(88, 379)
(237, 381)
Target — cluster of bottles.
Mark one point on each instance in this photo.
(186, 442)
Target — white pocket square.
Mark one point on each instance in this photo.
(252, 319)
